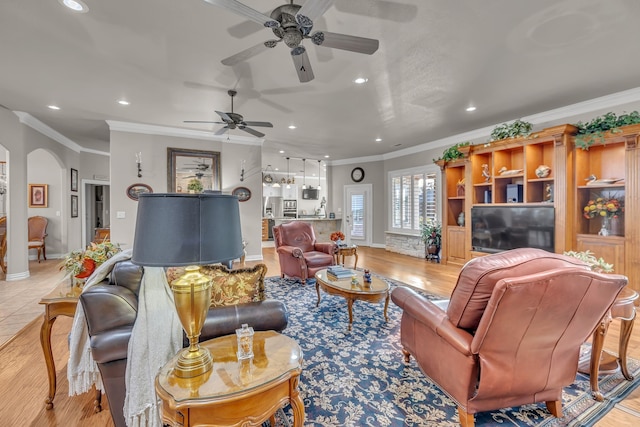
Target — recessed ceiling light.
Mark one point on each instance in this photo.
(75, 5)
(360, 80)
(123, 102)
(378, 139)
(327, 156)
(292, 127)
(54, 107)
(281, 151)
(277, 169)
(470, 109)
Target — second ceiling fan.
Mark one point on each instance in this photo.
(233, 120)
(293, 23)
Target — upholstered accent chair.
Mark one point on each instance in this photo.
(299, 254)
(37, 226)
(111, 307)
(511, 332)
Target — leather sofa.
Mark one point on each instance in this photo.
(511, 332)
(110, 309)
(300, 255)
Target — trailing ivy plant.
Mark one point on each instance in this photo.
(593, 131)
(513, 130)
(452, 152)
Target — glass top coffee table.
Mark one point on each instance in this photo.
(376, 291)
(233, 392)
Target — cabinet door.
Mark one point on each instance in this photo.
(456, 251)
(610, 248)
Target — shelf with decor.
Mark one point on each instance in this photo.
(535, 166)
(607, 199)
(455, 209)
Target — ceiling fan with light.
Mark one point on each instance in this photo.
(233, 120)
(292, 24)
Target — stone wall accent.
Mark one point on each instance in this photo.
(404, 244)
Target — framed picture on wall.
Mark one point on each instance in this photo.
(199, 168)
(74, 179)
(38, 195)
(74, 206)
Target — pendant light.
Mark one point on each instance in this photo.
(319, 187)
(288, 180)
(304, 174)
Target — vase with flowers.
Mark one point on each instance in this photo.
(338, 237)
(80, 264)
(606, 209)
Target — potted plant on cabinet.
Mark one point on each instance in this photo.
(432, 238)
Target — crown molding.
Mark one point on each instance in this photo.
(36, 124)
(181, 133)
(608, 101)
(44, 129)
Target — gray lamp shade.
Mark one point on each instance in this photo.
(186, 229)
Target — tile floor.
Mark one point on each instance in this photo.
(19, 300)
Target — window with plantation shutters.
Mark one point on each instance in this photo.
(414, 198)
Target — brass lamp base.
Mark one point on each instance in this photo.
(192, 297)
(193, 363)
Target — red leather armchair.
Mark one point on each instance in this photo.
(512, 331)
(299, 254)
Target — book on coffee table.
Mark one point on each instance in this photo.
(339, 272)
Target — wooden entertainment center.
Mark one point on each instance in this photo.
(475, 180)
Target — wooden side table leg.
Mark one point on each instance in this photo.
(350, 307)
(45, 342)
(596, 352)
(296, 403)
(626, 326)
(318, 292)
(97, 403)
(386, 305)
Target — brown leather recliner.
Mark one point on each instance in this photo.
(512, 331)
(111, 307)
(299, 254)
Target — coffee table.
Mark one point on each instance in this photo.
(235, 393)
(376, 291)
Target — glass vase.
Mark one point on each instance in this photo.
(605, 230)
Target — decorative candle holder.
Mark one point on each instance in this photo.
(245, 342)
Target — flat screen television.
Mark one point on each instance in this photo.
(500, 228)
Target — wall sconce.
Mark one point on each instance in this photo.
(139, 163)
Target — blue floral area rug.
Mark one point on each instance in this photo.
(359, 378)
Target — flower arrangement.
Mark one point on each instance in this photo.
(337, 235)
(596, 264)
(81, 263)
(601, 207)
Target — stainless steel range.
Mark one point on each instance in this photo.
(290, 208)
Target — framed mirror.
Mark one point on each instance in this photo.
(188, 168)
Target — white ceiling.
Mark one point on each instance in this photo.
(509, 58)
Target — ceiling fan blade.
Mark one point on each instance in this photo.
(251, 131)
(314, 9)
(303, 67)
(222, 130)
(203, 121)
(225, 117)
(246, 11)
(345, 42)
(263, 124)
(247, 53)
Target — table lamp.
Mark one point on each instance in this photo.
(188, 230)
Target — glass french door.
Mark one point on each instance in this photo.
(358, 223)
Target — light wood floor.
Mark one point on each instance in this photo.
(23, 379)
